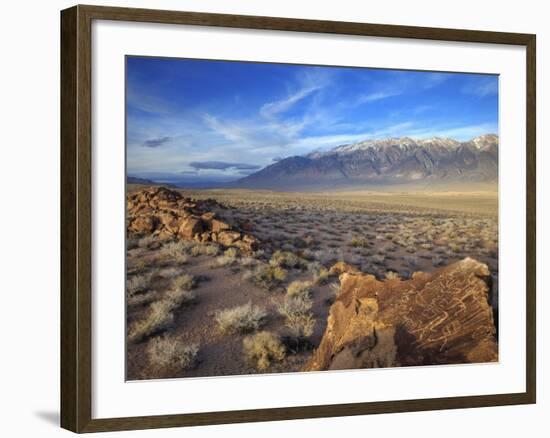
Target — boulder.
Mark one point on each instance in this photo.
(442, 317)
(190, 227)
(208, 216)
(142, 224)
(251, 242)
(247, 244)
(228, 238)
(167, 214)
(217, 225)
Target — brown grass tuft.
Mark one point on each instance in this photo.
(240, 319)
(263, 348)
(170, 353)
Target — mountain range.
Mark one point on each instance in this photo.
(384, 162)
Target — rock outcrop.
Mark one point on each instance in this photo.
(169, 215)
(438, 318)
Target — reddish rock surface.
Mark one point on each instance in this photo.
(169, 215)
(438, 318)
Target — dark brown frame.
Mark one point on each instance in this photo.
(76, 168)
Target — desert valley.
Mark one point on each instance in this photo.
(380, 253)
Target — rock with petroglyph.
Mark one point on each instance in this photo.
(442, 317)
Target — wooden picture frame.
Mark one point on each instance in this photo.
(76, 217)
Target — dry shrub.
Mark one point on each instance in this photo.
(228, 258)
(138, 265)
(287, 259)
(248, 261)
(263, 348)
(181, 259)
(160, 313)
(142, 299)
(185, 282)
(391, 275)
(225, 261)
(240, 319)
(159, 317)
(300, 325)
(298, 317)
(144, 242)
(359, 242)
(168, 258)
(454, 247)
(175, 251)
(196, 251)
(231, 252)
(326, 256)
(168, 352)
(211, 250)
(179, 297)
(268, 276)
(258, 254)
(298, 288)
(295, 304)
(322, 276)
(169, 272)
(205, 249)
(139, 283)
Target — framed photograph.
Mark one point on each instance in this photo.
(270, 218)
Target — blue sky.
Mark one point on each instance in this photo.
(199, 120)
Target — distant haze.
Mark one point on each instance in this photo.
(378, 163)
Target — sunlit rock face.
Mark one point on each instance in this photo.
(167, 214)
(438, 318)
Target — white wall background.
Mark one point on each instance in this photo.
(29, 218)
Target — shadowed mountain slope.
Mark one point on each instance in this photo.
(384, 162)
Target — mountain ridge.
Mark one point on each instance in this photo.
(387, 161)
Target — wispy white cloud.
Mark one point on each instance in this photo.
(309, 83)
(151, 104)
(420, 109)
(328, 141)
(271, 109)
(484, 88)
(397, 87)
(431, 80)
(316, 112)
(231, 131)
(457, 132)
(404, 129)
(379, 95)
(252, 133)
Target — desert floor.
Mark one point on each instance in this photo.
(303, 234)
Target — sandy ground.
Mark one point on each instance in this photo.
(378, 232)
